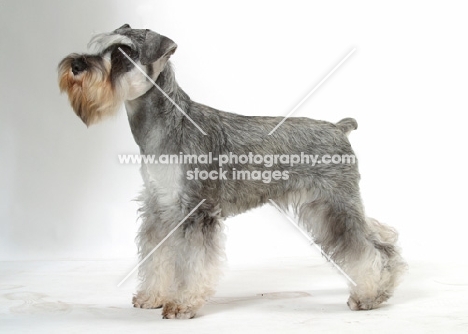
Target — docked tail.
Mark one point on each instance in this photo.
(347, 125)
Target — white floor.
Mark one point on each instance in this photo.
(284, 295)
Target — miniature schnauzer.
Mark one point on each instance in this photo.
(183, 272)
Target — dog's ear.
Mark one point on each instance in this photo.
(125, 26)
(155, 47)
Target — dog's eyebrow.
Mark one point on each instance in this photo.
(107, 50)
(112, 48)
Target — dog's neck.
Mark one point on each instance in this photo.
(154, 112)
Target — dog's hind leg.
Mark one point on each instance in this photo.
(364, 250)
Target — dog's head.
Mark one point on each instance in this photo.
(97, 84)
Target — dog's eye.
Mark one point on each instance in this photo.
(119, 61)
(122, 53)
(124, 48)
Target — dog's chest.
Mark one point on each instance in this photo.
(165, 182)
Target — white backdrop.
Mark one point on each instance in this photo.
(63, 194)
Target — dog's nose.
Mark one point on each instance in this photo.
(78, 65)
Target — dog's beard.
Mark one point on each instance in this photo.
(91, 92)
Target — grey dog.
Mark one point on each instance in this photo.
(183, 272)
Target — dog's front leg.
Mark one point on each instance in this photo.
(197, 251)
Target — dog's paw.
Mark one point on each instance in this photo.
(356, 304)
(140, 300)
(176, 311)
